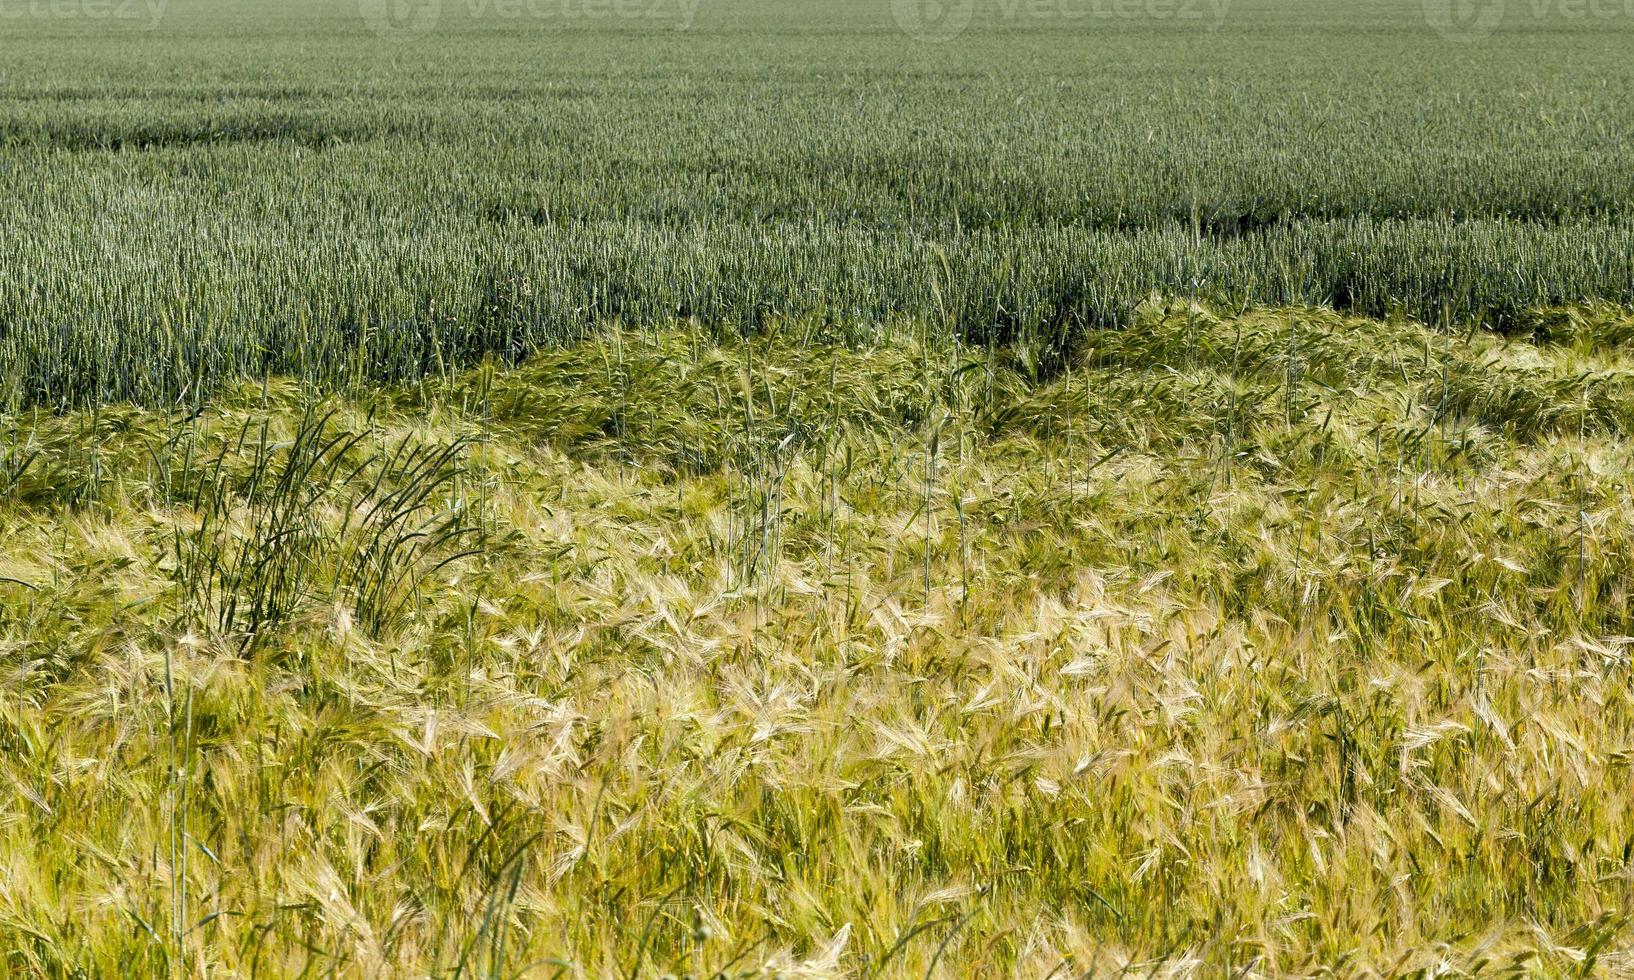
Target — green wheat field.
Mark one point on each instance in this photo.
(861, 488)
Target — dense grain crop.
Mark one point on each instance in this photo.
(1262, 645)
(735, 488)
(242, 190)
